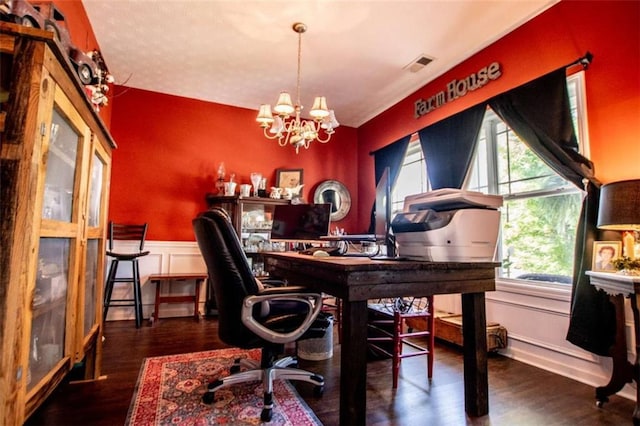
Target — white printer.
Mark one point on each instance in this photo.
(448, 225)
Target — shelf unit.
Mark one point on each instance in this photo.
(252, 218)
(55, 165)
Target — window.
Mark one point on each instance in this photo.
(541, 209)
(412, 178)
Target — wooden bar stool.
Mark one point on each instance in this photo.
(131, 233)
(387, 323)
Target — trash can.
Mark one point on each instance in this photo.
(320, 348)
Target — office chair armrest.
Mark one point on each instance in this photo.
(272, 282)
(267, 291)
(313, 300)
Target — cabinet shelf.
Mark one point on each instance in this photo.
(47, 306)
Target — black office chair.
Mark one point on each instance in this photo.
(251, 316)
(138, 233)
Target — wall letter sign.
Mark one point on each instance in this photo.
(458, 88)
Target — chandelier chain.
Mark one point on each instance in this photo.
(299, 68)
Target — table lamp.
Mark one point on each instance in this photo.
(619, 210)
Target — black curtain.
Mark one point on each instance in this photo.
(390, 156)
(448, 147)
(538, 112)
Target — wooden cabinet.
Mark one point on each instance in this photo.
(56, 162)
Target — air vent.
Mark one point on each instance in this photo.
(419, 63)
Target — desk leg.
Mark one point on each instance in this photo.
(353, 364)
(622, 371)
(474, 334)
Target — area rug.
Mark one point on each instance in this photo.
(170, 388)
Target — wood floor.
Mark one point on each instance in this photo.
(518, 393)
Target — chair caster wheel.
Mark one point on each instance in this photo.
(599, 403)
(208, 397)
(266, 414)
(318, 391)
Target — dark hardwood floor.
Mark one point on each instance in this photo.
(518, 393)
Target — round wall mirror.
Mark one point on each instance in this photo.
(336, 194)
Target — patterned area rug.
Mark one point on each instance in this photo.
(169, 392)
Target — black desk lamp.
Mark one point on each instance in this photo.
(619, 210)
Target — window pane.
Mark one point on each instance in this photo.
(538, 235)
(521, 170)
(412, 178)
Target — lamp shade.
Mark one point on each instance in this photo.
(319, 108)
(284, 105)
(620, 206)
(264, 115)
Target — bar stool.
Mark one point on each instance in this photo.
(132, 233)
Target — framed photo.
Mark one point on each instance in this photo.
(288, 178)
(603, 253)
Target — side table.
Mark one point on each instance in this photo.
(158, 279)
(618, 287)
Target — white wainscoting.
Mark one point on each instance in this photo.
(164, 257)
(535, 315)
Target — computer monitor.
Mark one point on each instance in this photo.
(383, 213)
(300, 222)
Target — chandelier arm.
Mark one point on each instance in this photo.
(283, 140)
(325, 140)
(266, 134)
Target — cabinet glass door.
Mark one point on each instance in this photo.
(61, 170)
(95, 203)
(90, 285)
(95, 191)
(57, 248)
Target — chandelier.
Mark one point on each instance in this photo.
(287, 126)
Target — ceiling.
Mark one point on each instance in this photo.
(243, 53)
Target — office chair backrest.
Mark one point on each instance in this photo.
(120, 231)
(229, 273)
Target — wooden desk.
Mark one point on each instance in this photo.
(355, 280)
(618, 287)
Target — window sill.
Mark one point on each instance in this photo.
(541, 289)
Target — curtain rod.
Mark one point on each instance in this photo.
(585, 61)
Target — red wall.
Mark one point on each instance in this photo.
(610, 30)
(169, 149)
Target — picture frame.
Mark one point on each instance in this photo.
(288, 178)
(603, 253)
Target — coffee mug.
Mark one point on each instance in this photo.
(245, 190)
(229, 188)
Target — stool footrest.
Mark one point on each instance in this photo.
(175, 299)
